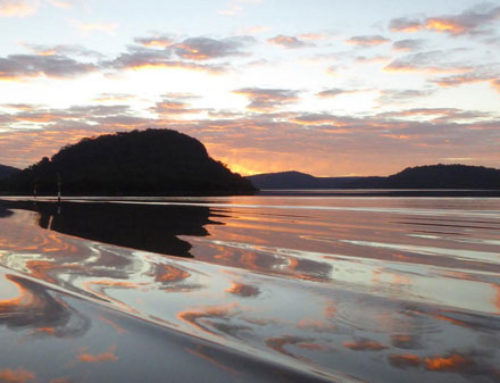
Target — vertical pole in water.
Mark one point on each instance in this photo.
(59, 183)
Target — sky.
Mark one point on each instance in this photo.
(326, 87)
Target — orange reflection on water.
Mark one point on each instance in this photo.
(108, 356)
(364, 345)
(497, 300)
(46, 330)
(119, 329)
(452, 362)
(42, 269)
(243, 290)
(19, 375)
(315, 325)
(24, 299)
(167, 273)
(193, 316)
(279, 343)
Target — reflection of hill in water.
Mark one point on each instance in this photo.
(152, 228)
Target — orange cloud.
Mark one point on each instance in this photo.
(443, 25)
(155, 41)
(289, 42)
(18, 8)
(473, 20)
(315, 36)
(496, 84)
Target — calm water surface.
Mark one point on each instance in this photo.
(264, 288)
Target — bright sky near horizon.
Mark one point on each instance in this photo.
(326, 87)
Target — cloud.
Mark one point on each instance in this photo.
(389, 96)
(430, 61)
(21, 66)
(290, 42)
(231, 10)
(143, 58)
(334, 92)
(471, 21)
(113, 97)
(18, 8)
(267, 100)
(496, 84)
(315, 36)
(475, 20)
(479, 74)
(62, 50)
(205, 48)
(169, 106)
(404, 24)
(271, 140)
(371, 60)
(155, 41)
(86, 28)
(408, 44)
(368, 41)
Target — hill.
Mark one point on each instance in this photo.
(297, 180)
(445, 177)
(7, 171)
(150, 162)
(420, 177)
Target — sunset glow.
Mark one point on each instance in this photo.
(323, 88)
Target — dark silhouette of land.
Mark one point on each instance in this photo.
(150, 162)
(152, 228)
(298, 180)
(7, 171)
(420, 177)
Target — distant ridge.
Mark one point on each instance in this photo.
(420, 177)
(149, 162)
(298, 180)
(7, 171)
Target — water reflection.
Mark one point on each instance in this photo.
(144, 227)
(33, 307)
(344, 294)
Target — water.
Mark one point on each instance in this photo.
(262, 288)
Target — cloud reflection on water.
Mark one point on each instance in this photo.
(307, 295)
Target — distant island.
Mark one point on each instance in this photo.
(420, 177)
(149, 162)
